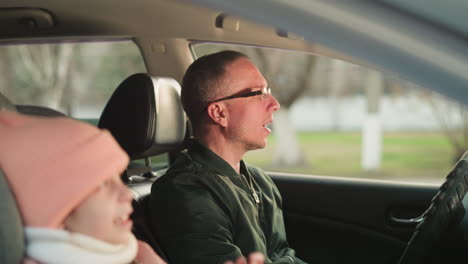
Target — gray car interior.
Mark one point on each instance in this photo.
(11, 229)
(145, 116)
(328, 219)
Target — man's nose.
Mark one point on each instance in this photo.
(274, 103)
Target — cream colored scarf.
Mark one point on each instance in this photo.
(54, 246)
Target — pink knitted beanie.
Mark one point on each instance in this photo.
(53, 164)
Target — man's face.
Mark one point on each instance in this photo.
(248, 116)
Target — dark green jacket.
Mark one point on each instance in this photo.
(203, 211)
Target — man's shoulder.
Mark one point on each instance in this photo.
(184, 170)
(260, 176)
(256, 171)
(188, 179)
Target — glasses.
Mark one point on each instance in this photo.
(264, 92)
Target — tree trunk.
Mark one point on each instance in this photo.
(287, 150)
(62, 72)
(288, 84)
(372, 128)
(337, 85)
(6, 80)
(48, 69)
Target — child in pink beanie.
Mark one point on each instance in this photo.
(65, 176)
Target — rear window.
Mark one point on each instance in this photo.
(74, 78)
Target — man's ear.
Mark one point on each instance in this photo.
(217, 113)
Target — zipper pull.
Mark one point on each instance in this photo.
(257, 200)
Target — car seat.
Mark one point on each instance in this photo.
(5, 104)
(12, 244)
(145, 116)
(36, 110)
(11, 227)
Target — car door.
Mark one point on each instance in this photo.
(339, 220)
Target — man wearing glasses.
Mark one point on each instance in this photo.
(211, 207)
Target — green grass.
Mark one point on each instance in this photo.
(413, 156)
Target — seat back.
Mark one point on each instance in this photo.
(5, 104)
(11, 227)
(146, 117)
(35, 110)
(12, 244)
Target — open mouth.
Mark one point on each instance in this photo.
(268, 126)
(124, 221)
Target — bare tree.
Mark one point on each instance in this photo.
(289, 76)
(47, 69)
(371, 154)
(337, 84)
(457, 134)
(6, 81)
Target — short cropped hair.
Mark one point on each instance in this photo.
(202, 82)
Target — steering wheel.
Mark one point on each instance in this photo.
(446, 212)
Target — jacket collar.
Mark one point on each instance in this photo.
(211, 160)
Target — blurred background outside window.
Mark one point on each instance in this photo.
(75, 78)
(341, 119)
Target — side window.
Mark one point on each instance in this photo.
(341, 119)
(75, 78)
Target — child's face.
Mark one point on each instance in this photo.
(105, 213)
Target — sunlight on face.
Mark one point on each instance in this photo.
(249, 116)
(105, 213)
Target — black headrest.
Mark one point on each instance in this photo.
(36, 110)
(145, 115)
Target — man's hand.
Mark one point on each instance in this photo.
(254, 258)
